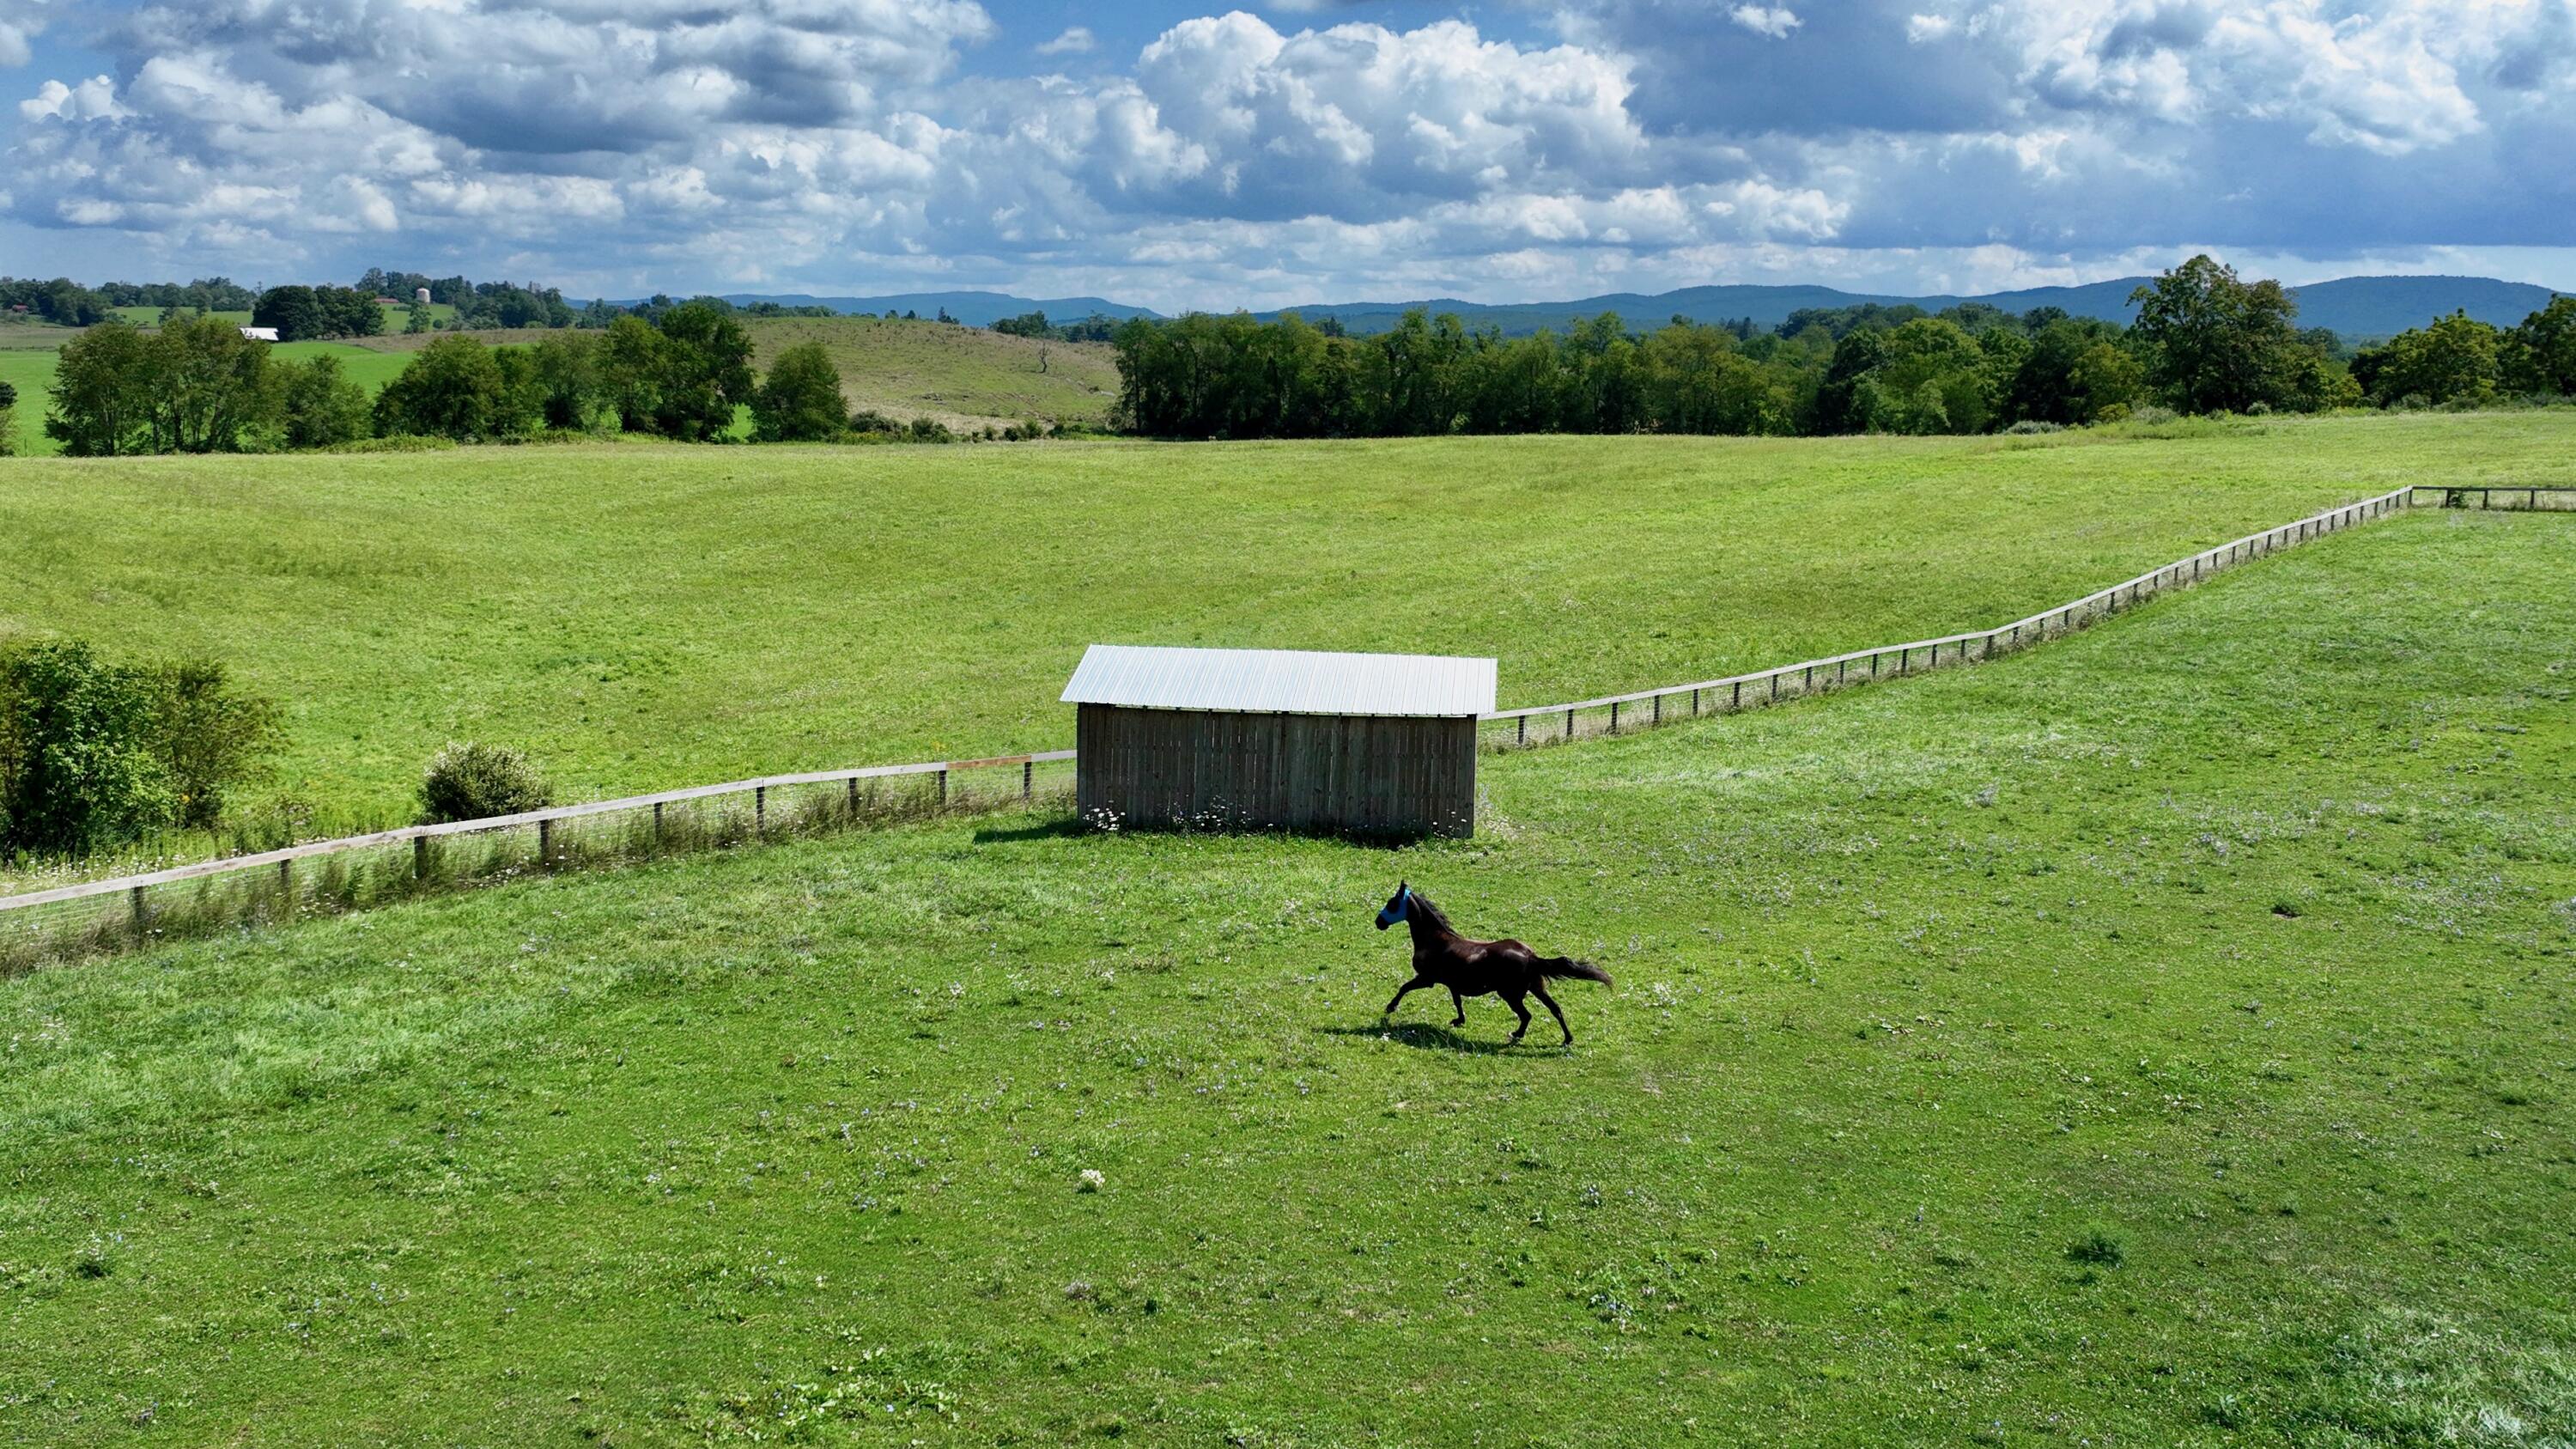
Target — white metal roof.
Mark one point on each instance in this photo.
(260, 334)
(1282, 681)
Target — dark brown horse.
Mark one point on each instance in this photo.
(1442, 957)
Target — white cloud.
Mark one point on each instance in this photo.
(634, 145)
(1775, 21)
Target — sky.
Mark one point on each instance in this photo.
(1172, 155)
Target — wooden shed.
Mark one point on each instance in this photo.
(1275, 739)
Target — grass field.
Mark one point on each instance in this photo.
(642, 617)
(2159, 1038)
(963, 376)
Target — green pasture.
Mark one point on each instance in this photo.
(646, 616)
(967, 377)
(2163, 1037)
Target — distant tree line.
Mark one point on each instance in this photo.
(1094, 328)
(2204, 341)
(67, 303)
(198, 385)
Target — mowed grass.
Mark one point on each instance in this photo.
(644, 617)
(2159, 1038)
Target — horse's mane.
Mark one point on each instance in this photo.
(1434, 912)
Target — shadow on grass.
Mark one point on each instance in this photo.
(1437, 1038)
(1061, 827)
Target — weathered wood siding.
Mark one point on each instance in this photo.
(1209, 770)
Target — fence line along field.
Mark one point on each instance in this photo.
(641, 617)
(371, 869)
(2157, 1038)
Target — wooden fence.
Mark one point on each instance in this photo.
(1624, 713)
(334, 875)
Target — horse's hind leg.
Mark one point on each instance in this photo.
(1550, 1003)
(1514, 998)
(1458, 1004)
(1416, 984)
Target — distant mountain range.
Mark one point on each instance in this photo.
(2357, 307)
(975, 309)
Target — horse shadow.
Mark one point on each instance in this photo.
(1423, 1037)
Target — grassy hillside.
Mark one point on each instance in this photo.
(2162, 1038)
(646, 616)
(964, 376)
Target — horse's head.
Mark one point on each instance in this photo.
(1398, 906)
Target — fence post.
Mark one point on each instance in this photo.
(286, 880)
(1694, 704)
(943, 787)
(1614, 716)
(1569, 724)
(1520, 732)
(1659, 710)
(760, 809)
(1739, 696)
(1028, 779)
(420, 857)
(141, 917)
(546, 842)
(853, 783)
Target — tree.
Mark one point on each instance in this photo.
(323, 408)
(209, 389)
(2541, 353)
(630, 371)
(566, 370)
(2075, 371)
(454, 388)
(800, 400)
(2452, 361)
(705, 372)
(2218, 344)
(100, 406)
(294, 311)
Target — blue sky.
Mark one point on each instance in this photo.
(1179, 155)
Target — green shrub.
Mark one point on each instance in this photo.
(77, 767)
(476, 781)
(208, 737)
(95, 753)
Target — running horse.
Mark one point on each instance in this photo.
(1442, 957)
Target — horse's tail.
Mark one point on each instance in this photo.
(1568, 966)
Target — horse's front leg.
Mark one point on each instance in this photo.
(1416, 984)
(1457, 1004)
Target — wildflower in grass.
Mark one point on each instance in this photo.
(1092, 1180)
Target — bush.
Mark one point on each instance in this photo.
(208, 737)
(8, 420)
(2032, 427)
(77, 767)
(476, 781)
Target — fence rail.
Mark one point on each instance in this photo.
(391, 864)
